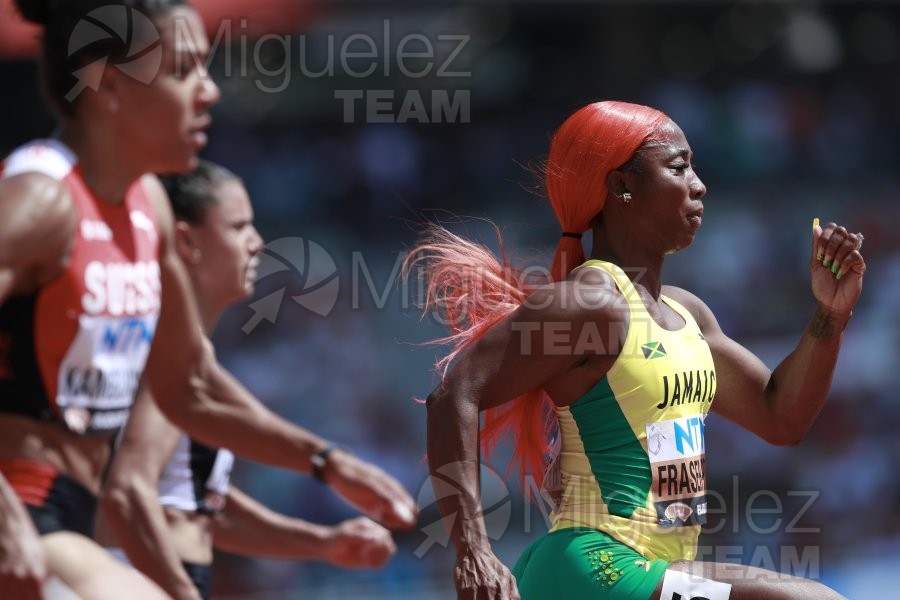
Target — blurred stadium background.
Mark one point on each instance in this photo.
(792, 112)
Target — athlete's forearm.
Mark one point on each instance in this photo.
(224, 414)
(217, 410)
(799, 386)
(140, 527)
(454, 463)
(247, 527)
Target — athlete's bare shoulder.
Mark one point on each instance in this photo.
(596, 289)
(37, 229)
(587, 295)
(695, 305)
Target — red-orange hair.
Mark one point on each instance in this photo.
(474, 290)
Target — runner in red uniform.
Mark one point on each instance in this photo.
(89, 276)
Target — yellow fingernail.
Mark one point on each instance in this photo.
(815, 223)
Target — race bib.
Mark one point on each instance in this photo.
(677, 455)
(98, 378)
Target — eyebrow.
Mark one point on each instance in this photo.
(677, 152)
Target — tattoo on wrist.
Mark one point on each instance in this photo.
(824, 325)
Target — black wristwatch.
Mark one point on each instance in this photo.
(319, 461)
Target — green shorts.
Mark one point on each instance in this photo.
(585, 564)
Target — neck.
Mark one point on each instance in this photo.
(107, 169)
(643, 267)
(209, 313)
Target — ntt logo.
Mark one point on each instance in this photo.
(139, 49)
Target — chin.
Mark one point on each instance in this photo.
(177, 168)
(190, 163)
(681, 246)
(247, 290)
(182, 162)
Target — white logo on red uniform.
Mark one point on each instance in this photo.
(119, 289)
(140, 220)
(95, 231)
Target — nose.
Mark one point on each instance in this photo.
(256, 242)
(209, 93)
(697, 188)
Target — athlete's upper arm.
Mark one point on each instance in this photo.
(146, 445)
(555, 330)
(742, 379)
(177, 353)
(37, 226)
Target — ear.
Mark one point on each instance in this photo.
(109, 92)
(92, 86)
(186, 244)
(616, 183)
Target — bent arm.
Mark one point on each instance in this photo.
(779, 406)
(203, 399)
(247, 527)
(130, 500)
(522, 352)
(190, 387)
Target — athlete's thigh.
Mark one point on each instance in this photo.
(685, 580)
(91, 572)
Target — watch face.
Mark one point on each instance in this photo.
(214, 501)
(318, 461)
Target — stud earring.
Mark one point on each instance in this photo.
(626, 197)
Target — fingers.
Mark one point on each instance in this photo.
(817, 233)
(362, 543)
(397, 509)
(853, 262)
(837, 249)
(373, 491)
(368, 530)
(512, 589)
(376, 547)
(395, 514)
(401, 509)
(484, 578)
(404, 510)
